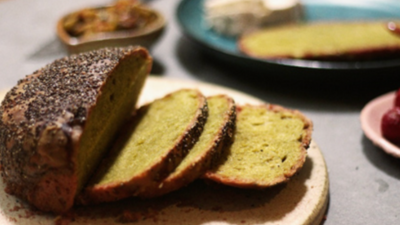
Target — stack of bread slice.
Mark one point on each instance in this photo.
(184, 136)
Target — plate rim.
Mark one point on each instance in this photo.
(294, 63)
(318, 183)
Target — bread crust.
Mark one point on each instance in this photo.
(243, 182)
(156, 172)
(199, 165)
(43, 118)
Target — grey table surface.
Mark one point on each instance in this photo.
(364, 181)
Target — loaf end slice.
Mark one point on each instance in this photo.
(57, 123)
(154, 143)
(217, 133)
(269, 147)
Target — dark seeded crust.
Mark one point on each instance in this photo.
(43, 118)
(368, 52)
(93, 194)
(260, 184)
(203, 162)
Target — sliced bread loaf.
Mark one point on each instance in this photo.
(57, 123)
(217, 133)
(152, 146)
(269, 147)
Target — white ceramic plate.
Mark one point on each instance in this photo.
(303, 200)
(371, 116)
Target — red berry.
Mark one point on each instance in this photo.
(390, 125)
(397, 99)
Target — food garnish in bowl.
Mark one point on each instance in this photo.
(390, 125)
(390, 122)
(127, 22)
(124, 15)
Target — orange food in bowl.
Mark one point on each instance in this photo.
(124, 15)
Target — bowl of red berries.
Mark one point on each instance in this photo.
(380, 121)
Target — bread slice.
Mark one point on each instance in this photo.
(269, 147)
(360, 40)
(217, 133)
(57, 123)
(153, 145)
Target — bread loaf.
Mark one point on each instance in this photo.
(57, 123)
(269, 147)
(217, 133)
(150, 148)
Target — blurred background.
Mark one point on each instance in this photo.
(364, 179)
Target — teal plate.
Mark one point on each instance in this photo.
(191, 20)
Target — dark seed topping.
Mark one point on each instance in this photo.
(57, 96)
(70, 84)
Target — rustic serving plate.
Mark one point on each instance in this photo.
(302, 201)
(145, 36)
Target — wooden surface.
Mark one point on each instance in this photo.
(303, 200)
